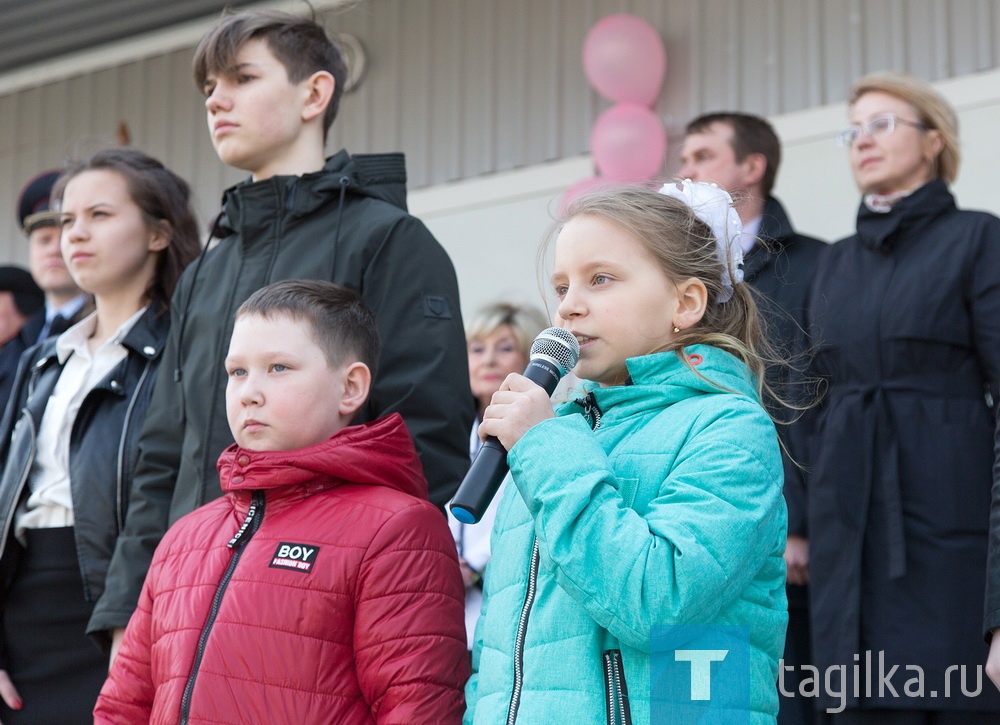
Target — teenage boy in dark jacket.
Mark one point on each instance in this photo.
(272, 84)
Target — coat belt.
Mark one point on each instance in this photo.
(871, 421)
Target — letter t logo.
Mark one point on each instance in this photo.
(701, 669)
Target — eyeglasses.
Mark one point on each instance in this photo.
(881, 125)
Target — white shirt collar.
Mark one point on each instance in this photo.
(750, 229)
(74, 340)
(67, 310)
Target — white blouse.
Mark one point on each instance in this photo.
(50, 503)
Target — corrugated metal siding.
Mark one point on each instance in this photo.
(44, 127)
(481, 86)
(470, 87)
(36, 30)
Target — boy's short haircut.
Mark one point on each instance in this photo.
(300, 44)
(343, 325)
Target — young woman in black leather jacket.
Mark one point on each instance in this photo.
(69, 434)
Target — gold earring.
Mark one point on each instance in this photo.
(676, 329)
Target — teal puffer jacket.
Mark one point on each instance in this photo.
(669, 512)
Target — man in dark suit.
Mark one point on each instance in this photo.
(741, 153)
(20, 299)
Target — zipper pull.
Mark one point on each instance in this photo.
(256, 505)
(591, 412)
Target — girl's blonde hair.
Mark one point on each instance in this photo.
(931, 107)
(684, 247)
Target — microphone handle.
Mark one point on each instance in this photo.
(490, 466)
(481, 483)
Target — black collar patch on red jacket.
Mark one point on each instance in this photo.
(297, 557)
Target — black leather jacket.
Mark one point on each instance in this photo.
(103, 444)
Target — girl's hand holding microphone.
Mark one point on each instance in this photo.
(519, 405)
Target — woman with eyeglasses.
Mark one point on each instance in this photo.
(900, 460)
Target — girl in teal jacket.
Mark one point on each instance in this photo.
(637, 573)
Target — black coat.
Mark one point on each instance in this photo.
(781, 269)
(346, 224)
(10, 354)
(906, 314)
(103, 444)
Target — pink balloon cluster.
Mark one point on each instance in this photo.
(625, 61)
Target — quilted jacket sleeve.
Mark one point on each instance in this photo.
(472, 686)
(127, 695)
(409, 624)
(718, 516)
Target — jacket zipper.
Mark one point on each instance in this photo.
(121, 447)
(619, 712)
(246, 531)
(522, 628)
(591, 411)
(25, 415)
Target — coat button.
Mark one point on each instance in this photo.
(243, 460)
(149, 350)
(237, 479)
(116, 386)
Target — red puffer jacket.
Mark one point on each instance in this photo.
(338, 598)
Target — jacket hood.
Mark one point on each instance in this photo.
(876, 230)
(380, 453)
(717, 372)
(378, 176)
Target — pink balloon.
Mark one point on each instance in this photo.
(624, 59)
(629, 143)
(581, 188)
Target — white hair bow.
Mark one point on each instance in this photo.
(714, 206)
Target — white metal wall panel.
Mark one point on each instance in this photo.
(33, 30)
(476, 110)
(472, 87)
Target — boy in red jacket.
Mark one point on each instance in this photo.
(323, 588)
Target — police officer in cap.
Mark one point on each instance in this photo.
(65, 304)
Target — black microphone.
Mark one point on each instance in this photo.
(553, 354)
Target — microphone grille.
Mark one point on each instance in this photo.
(559, 345)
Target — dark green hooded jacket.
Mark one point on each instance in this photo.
(347, 224)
